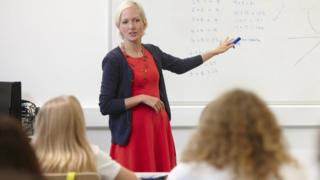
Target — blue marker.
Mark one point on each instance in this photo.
(236, 40)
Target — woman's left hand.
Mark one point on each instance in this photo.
(224, 46)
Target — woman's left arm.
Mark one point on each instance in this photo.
(180, 66)
(224, 45)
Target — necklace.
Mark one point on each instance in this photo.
(145, 67)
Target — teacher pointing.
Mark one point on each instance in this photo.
(133, 94)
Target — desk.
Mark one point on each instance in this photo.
(152, 175)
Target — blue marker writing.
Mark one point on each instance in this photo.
(236, 40)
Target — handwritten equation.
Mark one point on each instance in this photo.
(211, 18)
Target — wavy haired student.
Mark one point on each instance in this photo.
(238, 138)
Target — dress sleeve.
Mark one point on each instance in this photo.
(107, 168)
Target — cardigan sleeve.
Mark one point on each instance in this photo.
(178, 65)
(108, 101)
(106, 167)
(175, 64)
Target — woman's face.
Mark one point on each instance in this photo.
(131, 25)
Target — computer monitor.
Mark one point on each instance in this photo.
(10, 99)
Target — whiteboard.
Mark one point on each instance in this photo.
(278, 56)
(54, 47)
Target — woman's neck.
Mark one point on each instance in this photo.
(132, 49)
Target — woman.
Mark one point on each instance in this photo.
(16, 153)
(134, 96)
(238, 138)
(61, 144)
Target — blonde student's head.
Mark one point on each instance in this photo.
(60, 137)
(239, 131)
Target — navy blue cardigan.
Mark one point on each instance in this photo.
(116, 86)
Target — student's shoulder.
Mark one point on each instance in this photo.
(95, 149)
(198, 170)
(293, 171)
(102, 156)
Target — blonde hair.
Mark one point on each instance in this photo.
(239, 131)
(60, 137)
(127, 4)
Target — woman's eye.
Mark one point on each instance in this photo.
(124, 22)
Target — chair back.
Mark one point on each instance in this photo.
(71, 176)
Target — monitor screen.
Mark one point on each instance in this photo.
(10, 99)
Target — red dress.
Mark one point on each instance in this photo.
(151, 146)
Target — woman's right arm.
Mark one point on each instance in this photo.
(110, 83)
(108, 102)
(151, 101)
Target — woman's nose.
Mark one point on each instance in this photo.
(132, 25)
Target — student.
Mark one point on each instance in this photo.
(61, 144)
(134, 96)
(238, 138)
(16, 153)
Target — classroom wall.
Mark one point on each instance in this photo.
(54, 47)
